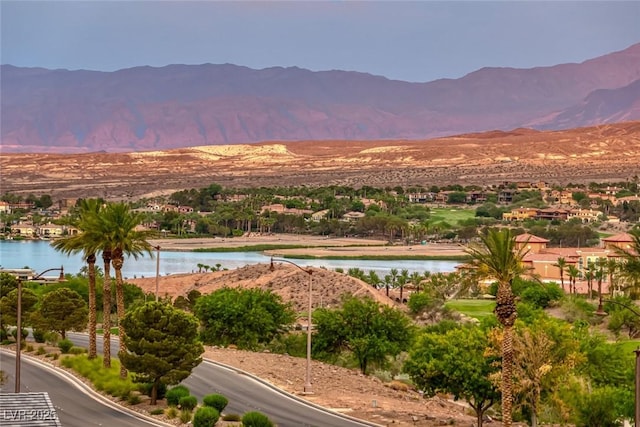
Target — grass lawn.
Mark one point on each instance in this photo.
(478, 308)
(451, 215)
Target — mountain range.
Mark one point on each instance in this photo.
(146, 108)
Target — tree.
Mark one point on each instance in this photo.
(561, 263)
(9, 306)
(498, 258)
(8, 282)
(629, 269)
(87, 243)
(573, 273)
(119, 224)
(455, 362)
(244, 317)
(161, 344)
(63, 310)
(370, 331)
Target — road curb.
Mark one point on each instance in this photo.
(89, 390)
(291, 395)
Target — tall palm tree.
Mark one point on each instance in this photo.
(573, 273)
(87, 243)
(561, 263)
(403, 279)
(119, 225)
(613, 266)
(499, 259)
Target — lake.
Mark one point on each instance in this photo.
(40, 256)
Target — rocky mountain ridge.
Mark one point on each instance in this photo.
(145, 108)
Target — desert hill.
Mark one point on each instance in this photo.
(285, 280)
(599, 153)
(147, 108)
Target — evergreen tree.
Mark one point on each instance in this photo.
(162, 345)
(63, 310)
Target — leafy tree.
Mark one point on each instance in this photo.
(8, 282)
(498, 258)
(370, 331)
(244, 317)
(629, 269)
(9, 306)
(64, 310)
(162, 344)
(455, 362)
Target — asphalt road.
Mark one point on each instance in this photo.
(248, 394)
(74, 407)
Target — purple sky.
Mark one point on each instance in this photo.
(413, 41)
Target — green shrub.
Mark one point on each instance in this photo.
(39, 336)
(55, 356)
(77, 350)
(217, 401)
(419, 302)
(157, 411)
(175, 393)
(103, 379)
(133, 399)
(188, 402)
(29, 348)
(185, 416)
(40, 351)
(206, 416)
(232, 417)
(4, 335)
(256, 419)
(65, 345)
(51, 338)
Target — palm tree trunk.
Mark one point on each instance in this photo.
(106, 310)
(507, 376)
(91, 263)
(118, 261)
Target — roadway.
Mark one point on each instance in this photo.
(246, 393)
(74, 405)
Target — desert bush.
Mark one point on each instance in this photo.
(185, 416)
(103, 379)
(206, 416)
(65, 345)
(29, 348)
(172, 412)
(256, 419)
(216, 401)
(175, 393)
(157, 411)
(188, 402)
(40, 351)
(77, 350)
(231, 417)
(133, 399)
(382, 375)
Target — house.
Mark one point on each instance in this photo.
(317, 216)
(552, 214)
(24, 229)
(352, 216)
(520, 214)
(585, 215)
(622, 241)
(51, 230)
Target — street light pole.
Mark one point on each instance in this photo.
(308, 389)
(19, 321)
(157, 248)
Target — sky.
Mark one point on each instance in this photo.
(415, 41)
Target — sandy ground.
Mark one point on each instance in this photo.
(316, 246)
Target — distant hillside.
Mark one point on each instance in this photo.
(176, 106)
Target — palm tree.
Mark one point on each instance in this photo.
(373, 279)
(403, 279)
(629, 269)
(498, 258)
(85, 242)
(613, 266)
(416, 279)
(561, 263)
(573, 273)
(590, 275)
(119, 225)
